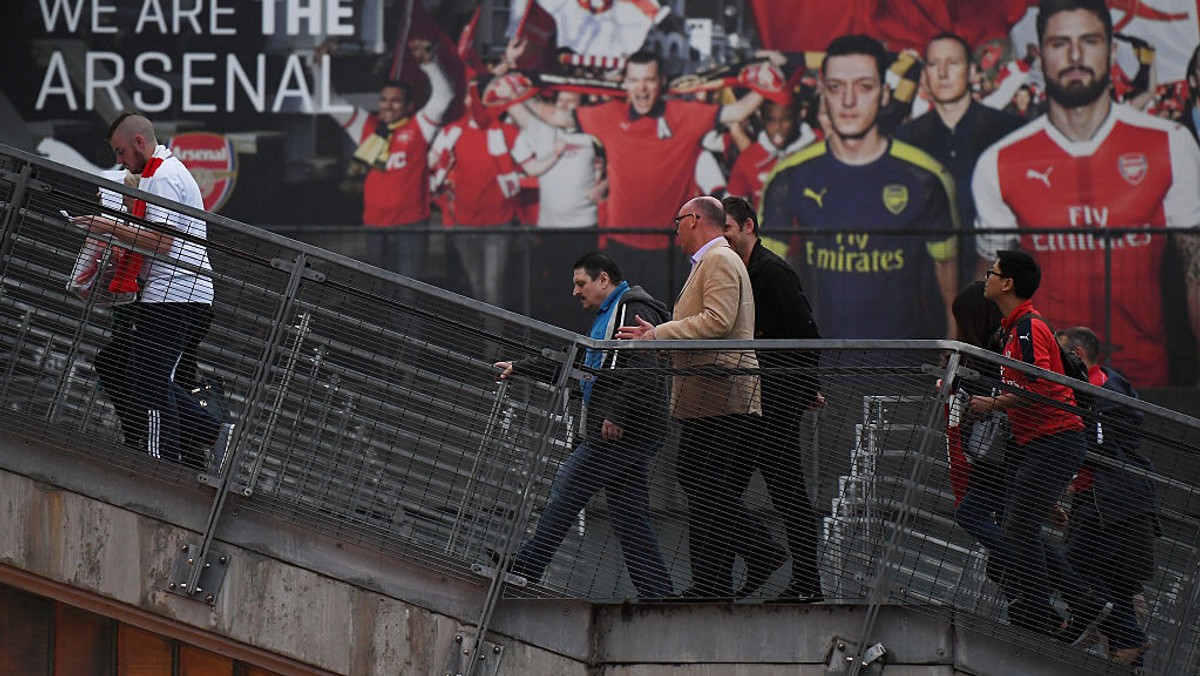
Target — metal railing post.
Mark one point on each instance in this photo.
(1190, 597)
(931, 433)
(524, 506)
(12, 208)
(298, 269)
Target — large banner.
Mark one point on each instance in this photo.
(228, 83)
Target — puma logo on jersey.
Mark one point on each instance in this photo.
(1043, 176)
(818, 197)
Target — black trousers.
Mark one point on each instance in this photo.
(717, 456)
(141, 371)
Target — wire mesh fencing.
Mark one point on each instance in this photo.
(369, 407)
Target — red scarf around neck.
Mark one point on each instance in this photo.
(129, 263)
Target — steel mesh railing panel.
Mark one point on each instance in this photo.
(367, 408)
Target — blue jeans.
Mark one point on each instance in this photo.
(620, 469)
(1046, 468)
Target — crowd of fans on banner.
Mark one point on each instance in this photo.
(571, 147)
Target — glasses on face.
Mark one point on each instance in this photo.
(679, 219)
(988, 275)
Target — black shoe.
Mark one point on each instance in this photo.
(1040, 618)
(760, 566)
(1085, 619)
(799, 593)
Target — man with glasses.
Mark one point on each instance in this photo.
(719, 413)
(1102, 167)
(781, 311)
(1047, 449)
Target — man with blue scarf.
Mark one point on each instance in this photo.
(626, 422)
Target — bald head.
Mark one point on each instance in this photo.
(133, 141)
(699, 221)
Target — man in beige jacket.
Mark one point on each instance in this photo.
(719, 412)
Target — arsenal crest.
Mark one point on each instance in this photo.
(895, 198)
(213, 163)
(596, 6)
(1133, 167)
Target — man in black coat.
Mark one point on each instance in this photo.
(627, 420)
(1114, 514)
(789, 387)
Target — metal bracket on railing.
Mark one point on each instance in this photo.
(212, 573)
(486, 664)
(307, 272)
(33, 184)
(561, 357)
(844, 660)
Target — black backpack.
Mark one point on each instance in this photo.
(1073, 366)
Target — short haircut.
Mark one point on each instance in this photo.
(643, 57)
(1048, 8)
(595, 262)
(402, 86)
(135, 123)
(740, 209)
(953, 37)
(1081, 336)
(866, 45)
(711, 210)
(1023, 270)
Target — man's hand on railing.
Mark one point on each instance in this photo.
(611, 431)
(506, 369)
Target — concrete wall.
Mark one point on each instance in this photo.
(318, 605)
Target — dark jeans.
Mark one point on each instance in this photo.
(1046, 467)
(137, 370)
(620, 470)
(717, 456)
(1114, 558)
(982, 511)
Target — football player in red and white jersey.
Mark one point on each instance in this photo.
(1092, 163)
(393, 150)
(652, 145)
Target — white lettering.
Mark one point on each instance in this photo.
(216, 11)
(203, 154)
(56, 82)
(145, 16)
(1087, 215)
(179, 13)
(334, 13)
(94, 82)
(97, 10)
(308, 11)
(293, 70)
(50, 14)
(254, 90)
(1045, 242)
(327, 106)
(139, 70)
(191, 80)
(268, 17)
